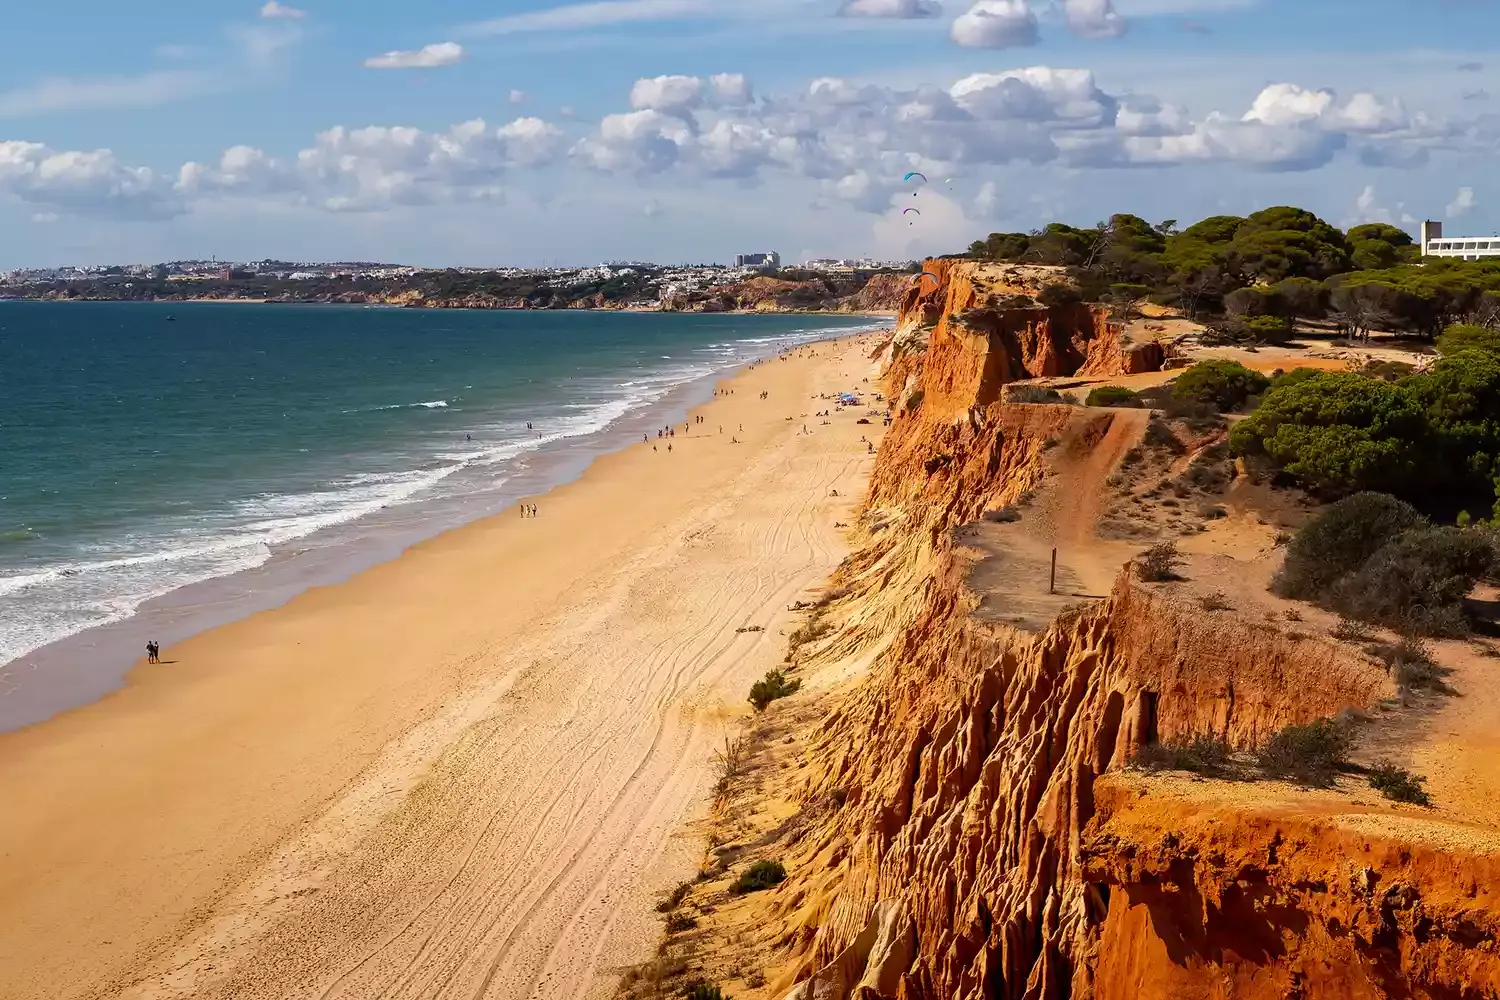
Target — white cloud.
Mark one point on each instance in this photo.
(890, 8)
(1367, 208)
(104, 93)
(731, 89)
(1289, 104)
(853, 141)
(377, 167)
(93, 182)
(280, 11)
(45, 218)
(996, 24)
(645, 141)
(517, 96)
(1093, 18)
(1463, 203)
(427, 57)
(987, 201)
(1038, 93)
(590, 15)
(1168, 8)
(672, 94)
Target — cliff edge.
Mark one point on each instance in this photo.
(955, 807)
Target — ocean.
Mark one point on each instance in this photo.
(159, 456)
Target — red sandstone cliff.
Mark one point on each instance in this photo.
(974, 831)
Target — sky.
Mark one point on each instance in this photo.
(530, 132)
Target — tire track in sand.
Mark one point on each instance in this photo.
(520, 861)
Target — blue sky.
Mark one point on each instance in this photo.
(470, 132)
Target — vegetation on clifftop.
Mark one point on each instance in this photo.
(1257, 276)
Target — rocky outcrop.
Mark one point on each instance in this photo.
(1213, 898)
(985, 837)
(982, 339)
(968, 767)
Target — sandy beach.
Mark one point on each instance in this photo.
(462, 773)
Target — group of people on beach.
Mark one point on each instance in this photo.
(528, 510)
(153, 651)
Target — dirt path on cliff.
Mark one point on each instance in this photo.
(1454, 739)
(1013, 580)
(1077, 494)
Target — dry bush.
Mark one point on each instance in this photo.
(674, 898)
(1214, 602)
(729, 765)
(1159, 563)
(1399, 785)
(1350, 630)
(679, 922)
(1312, 754)
(1204, 753)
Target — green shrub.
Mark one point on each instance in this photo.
(1221, 383)
(1204, 753)
(1056, 294)
(770, 687)
(1338, 432)
(761, 875)
(1031, 394)
(1111, 395)
(704, 991)
(1272, 330)
(1339, 541)
(1310, 755)
(914, 400)
(1418, 580)
(1468, 337)
(1428, 435)
(1389, 371)
(1399, 784)
(1283, 379)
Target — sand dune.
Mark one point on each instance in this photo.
(460, 774)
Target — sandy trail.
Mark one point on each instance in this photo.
(461, 774)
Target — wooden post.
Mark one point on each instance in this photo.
(1052, 580)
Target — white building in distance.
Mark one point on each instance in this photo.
(772, 259)
(1435, 244)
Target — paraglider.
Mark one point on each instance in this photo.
(915, 173)
(928, 274)
(908, 211)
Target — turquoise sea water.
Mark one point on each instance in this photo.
(140, 454)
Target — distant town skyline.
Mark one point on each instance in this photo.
(464, 131)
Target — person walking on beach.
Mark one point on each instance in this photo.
(152, 651)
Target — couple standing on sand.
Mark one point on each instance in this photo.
(153, 652)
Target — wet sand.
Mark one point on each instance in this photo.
(462, 773)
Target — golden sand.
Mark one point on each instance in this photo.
(462, 773)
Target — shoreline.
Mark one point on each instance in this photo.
(889, 314)
(461, 771)
(66, 674)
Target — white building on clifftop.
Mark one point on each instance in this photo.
(1435, 244)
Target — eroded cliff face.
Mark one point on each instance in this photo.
(979, 834)
(980, 341)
